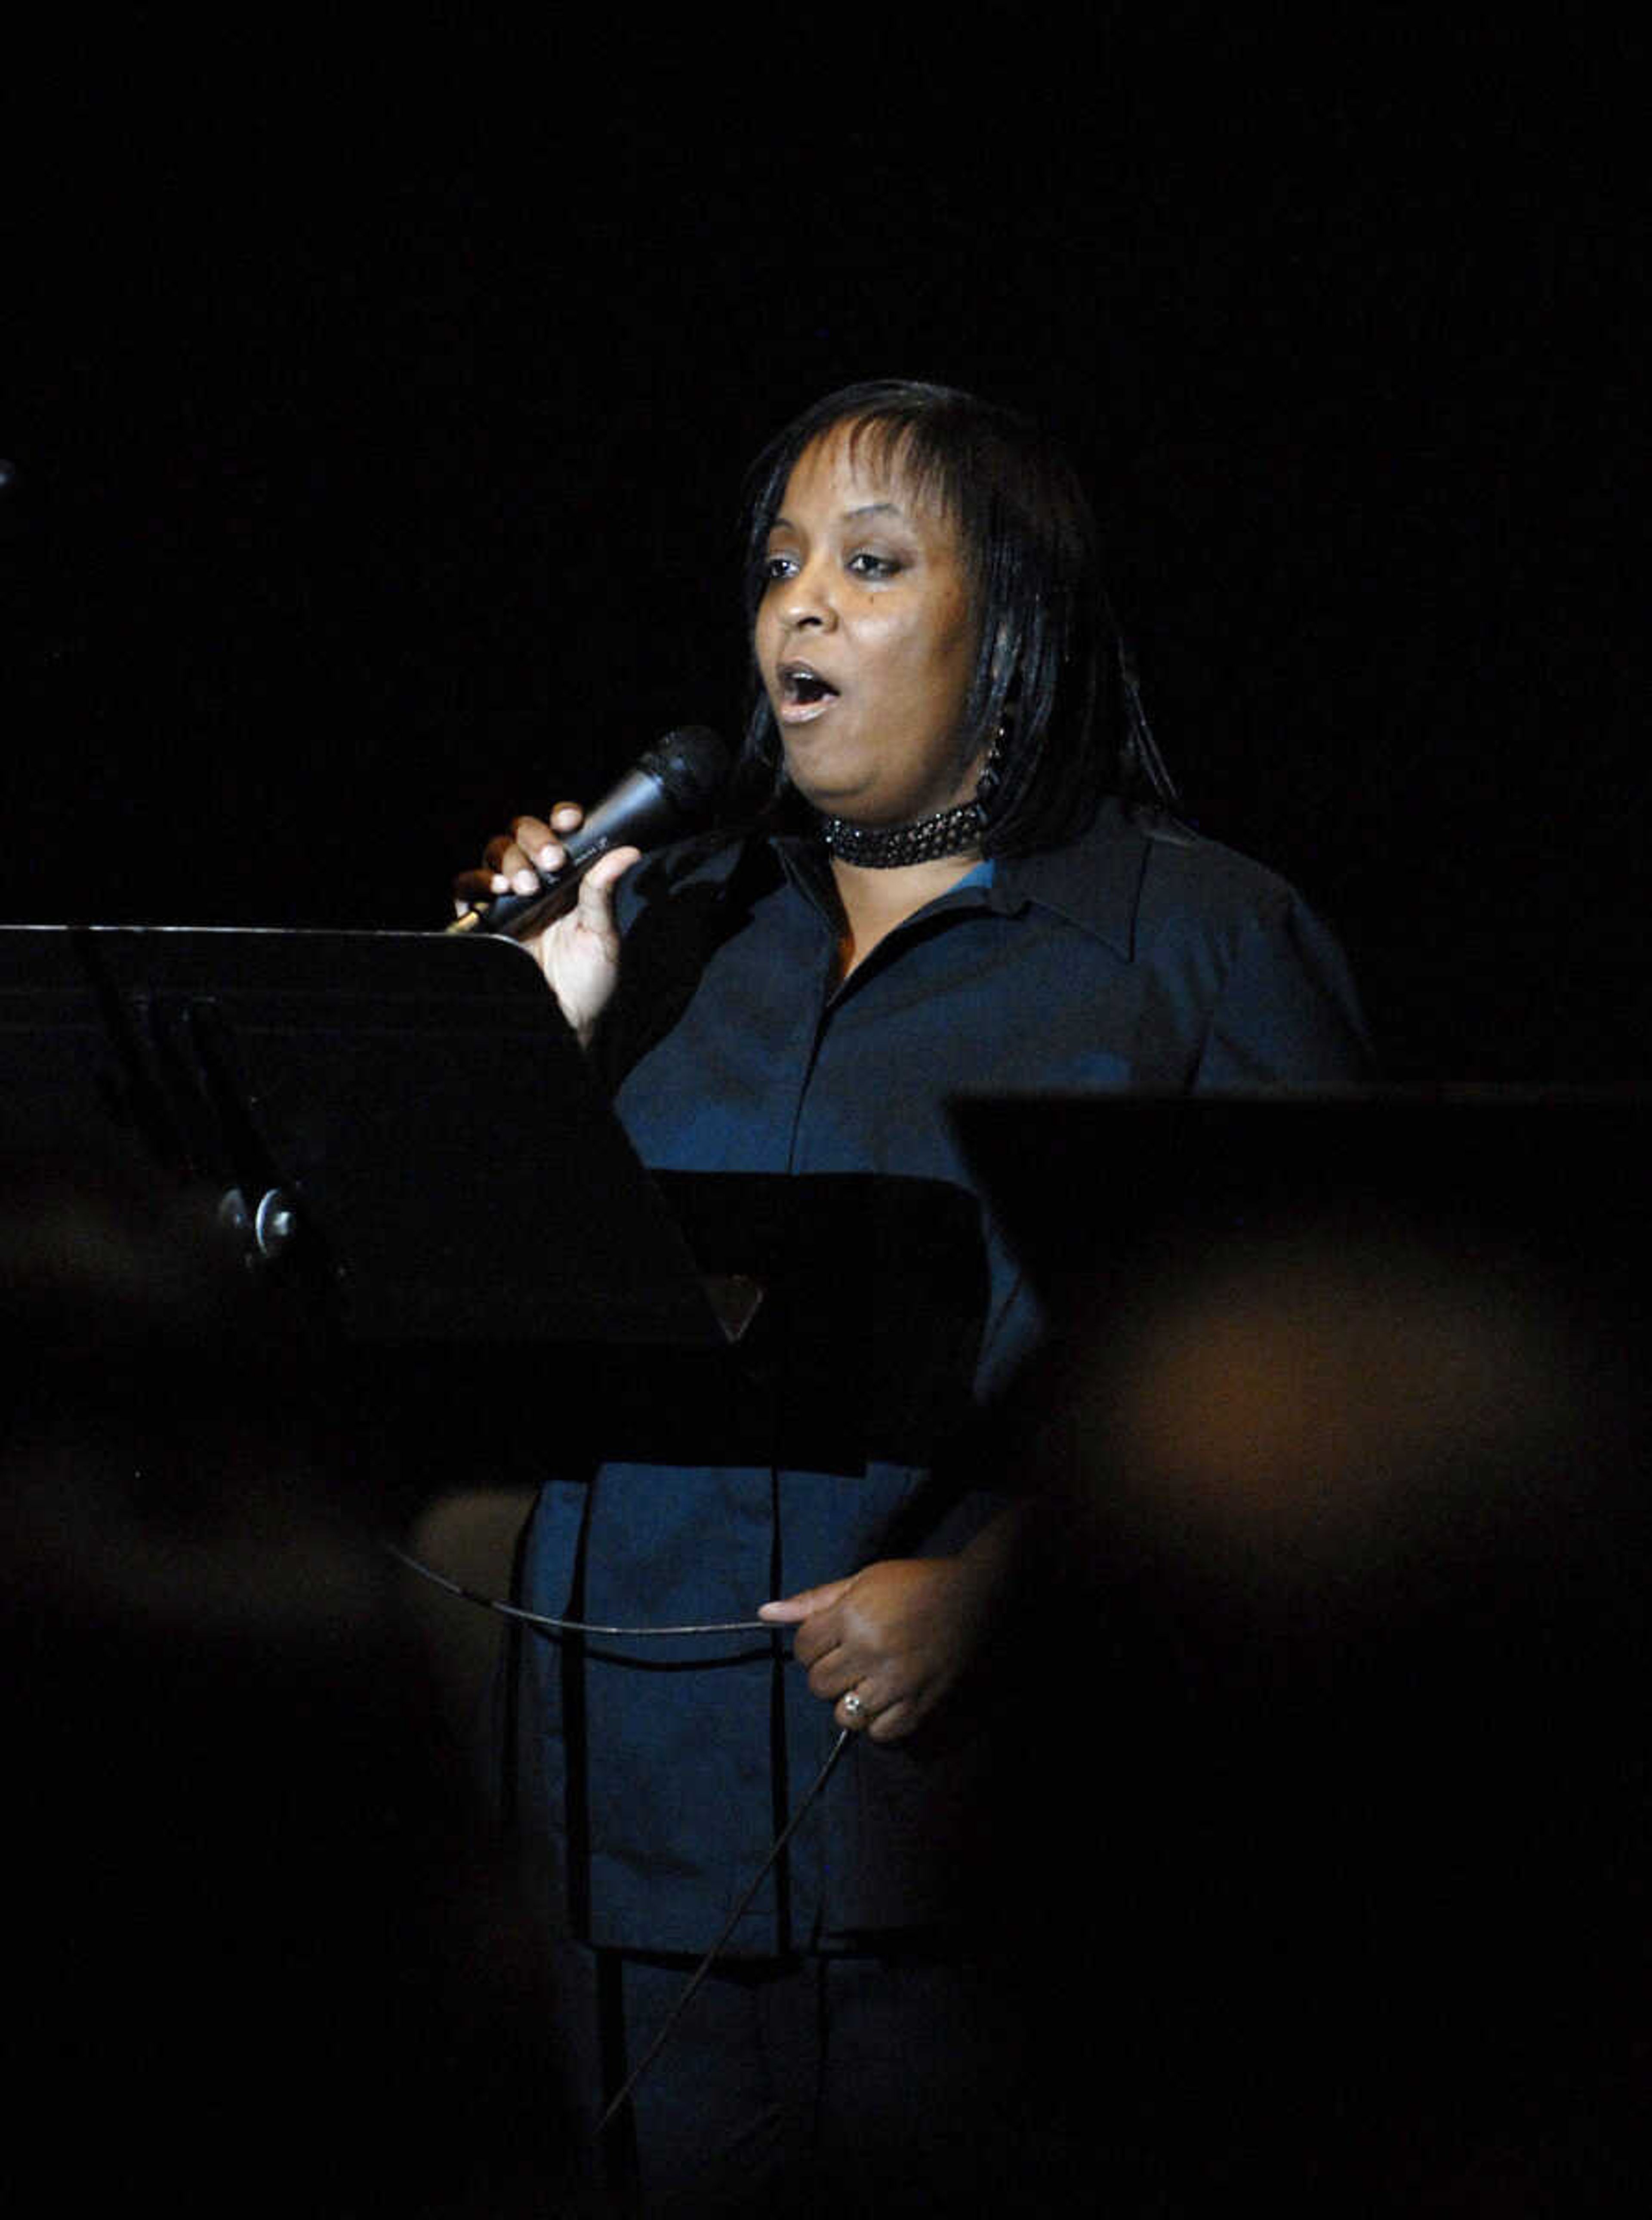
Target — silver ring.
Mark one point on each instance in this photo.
(854, 1705)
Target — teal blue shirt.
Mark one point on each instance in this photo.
(804, 1122)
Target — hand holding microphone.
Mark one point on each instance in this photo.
(551, 885)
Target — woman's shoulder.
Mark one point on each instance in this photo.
(1183, 859)
(1284, 1003)
(1136, 872)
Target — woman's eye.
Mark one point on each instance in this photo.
(776, 566)
(865, 565)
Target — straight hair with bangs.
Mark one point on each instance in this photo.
(1050, 668)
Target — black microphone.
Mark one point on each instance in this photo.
(669, 791)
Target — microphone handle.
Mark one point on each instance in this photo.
(515, 916)
(637, 812)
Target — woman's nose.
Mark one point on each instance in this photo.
(805, 601)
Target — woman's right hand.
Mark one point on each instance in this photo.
(578, 952)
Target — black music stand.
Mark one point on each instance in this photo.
(406, 1114)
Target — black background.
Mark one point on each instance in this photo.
(378, 404)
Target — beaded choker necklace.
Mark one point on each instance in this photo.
(886, 847)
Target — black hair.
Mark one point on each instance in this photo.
(1052, 669)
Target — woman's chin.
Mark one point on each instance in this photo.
(832, 798)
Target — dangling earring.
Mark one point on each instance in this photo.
(992, 771)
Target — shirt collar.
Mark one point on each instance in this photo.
(1093, 882)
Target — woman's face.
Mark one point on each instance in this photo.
(866, 638)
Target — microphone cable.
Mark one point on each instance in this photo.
(549, 1625)
(692, 1985)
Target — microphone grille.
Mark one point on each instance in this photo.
(691, 764)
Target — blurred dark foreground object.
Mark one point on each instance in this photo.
(1343, 1587)
(261, 1959)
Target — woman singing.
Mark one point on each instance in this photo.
(951, 865)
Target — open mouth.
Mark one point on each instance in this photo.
(801, 687)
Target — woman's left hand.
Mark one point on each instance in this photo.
(896, 1637)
